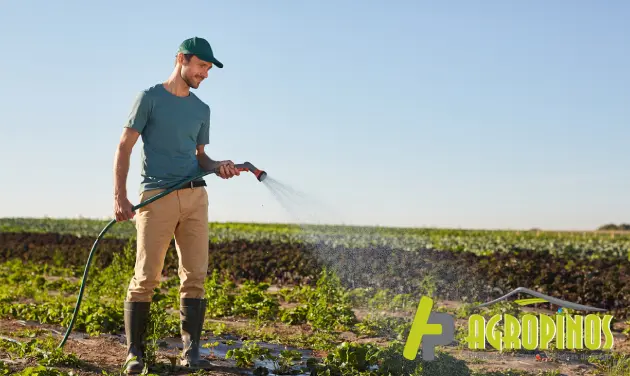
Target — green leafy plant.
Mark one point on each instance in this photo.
(384, 326)
(284, 362)
(346, 359)
(211, 346)
(617, 364)
(41, 371)
(247, 354)
(253, 301)
(295, 315)
(43, 350)
(161, 324)
(220, 295)
(4, 369)
(329, 307)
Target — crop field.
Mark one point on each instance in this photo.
(305, 300)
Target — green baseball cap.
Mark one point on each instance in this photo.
(200, 48)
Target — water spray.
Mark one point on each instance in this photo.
(244, 167)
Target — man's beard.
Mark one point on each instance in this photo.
(191, 84)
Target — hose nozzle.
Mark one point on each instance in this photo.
(247, 166)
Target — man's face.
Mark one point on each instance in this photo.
(195, 71)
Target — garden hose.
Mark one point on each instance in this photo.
(247, 166)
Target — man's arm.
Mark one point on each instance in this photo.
(122, 157)
(205, 162)
(137, 120)
(123, 209)
(203, 138)
(226, 168)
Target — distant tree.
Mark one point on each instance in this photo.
(614, 227)
(607, 227)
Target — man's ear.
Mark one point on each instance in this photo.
(179, 58)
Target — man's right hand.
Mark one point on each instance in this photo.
(123, 209)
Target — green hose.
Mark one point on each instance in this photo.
(241, 167)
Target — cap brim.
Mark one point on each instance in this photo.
(213, 60)
(210, 59)
(217, 63)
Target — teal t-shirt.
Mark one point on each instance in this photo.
(171, 127)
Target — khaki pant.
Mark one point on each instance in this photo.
(182, 213)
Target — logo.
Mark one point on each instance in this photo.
(532, 331)
(429, 329)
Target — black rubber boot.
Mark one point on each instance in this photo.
(136, 318)
(192, 313)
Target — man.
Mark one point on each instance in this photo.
(174, 124)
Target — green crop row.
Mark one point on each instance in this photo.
(589, 245)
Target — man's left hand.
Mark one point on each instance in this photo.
(227, 170)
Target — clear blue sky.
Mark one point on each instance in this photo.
(483, 114)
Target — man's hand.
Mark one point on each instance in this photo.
(123, 209)
(227, 170)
